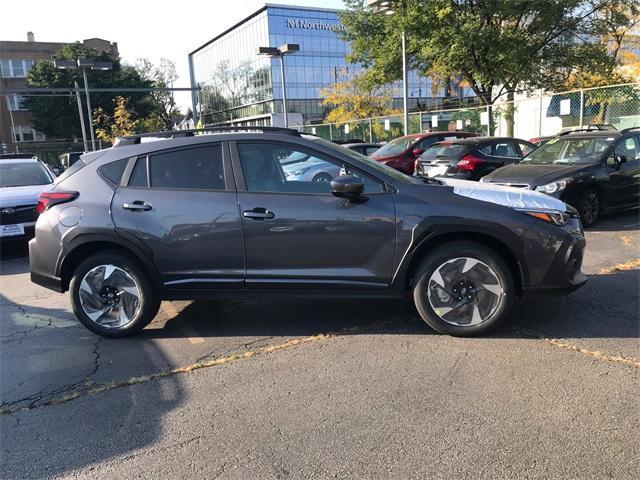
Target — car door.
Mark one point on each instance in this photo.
(181, 204)
(298, 235)
(624, 177)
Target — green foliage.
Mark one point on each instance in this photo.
(164, 109)
(57, 116)
(494, 47)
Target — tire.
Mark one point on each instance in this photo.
(589, 206)
(487, 283)
(322, 178)
(114, 284)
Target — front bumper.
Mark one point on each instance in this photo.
(562, 275)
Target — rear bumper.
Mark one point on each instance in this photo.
(43, 269)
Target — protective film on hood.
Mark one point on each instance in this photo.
(506, 196)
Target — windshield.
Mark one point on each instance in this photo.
(570, 151)
(390, 172)
(395, 147)
(23, 174)
(442, 150)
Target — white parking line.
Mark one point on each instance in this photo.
(185, 327)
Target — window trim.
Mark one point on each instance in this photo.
(227, 178)
(241, 185)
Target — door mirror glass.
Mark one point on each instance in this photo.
(347, 186)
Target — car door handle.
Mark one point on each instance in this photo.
(137, 206)
(259, 214)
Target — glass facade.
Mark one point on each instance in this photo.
(241, 87)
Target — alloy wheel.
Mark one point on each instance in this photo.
(464, 291)
(109, 296)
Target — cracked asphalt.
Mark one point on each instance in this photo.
(327, 389)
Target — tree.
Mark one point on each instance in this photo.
(495, 47)
(109, 127)
(162, 75)
(355, 98)
(57, 116)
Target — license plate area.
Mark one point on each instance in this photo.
(11, 230)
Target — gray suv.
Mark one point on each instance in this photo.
(176, 215)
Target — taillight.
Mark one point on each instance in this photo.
(49, 199)
(469, 163)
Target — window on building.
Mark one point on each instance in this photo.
(15, 102)
(26, 133)
(15, 68)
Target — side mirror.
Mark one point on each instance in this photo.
(621, 159)
(347, 186)
(417, 152)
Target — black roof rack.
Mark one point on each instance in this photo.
(630, 129)
(136, 139)
(590, 128)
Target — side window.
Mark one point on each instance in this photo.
(427, 142)
(198, 168)
(370, 150)
(113, 171)
(487, 149)
(629, 149)
(139, 175)
(505, 149)
(271, 167)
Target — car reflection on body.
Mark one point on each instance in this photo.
(305, 168)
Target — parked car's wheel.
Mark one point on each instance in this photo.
(463, 288)
(112, 296)
(322, 178)
(589, 207)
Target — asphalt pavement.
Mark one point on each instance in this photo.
(327, 388)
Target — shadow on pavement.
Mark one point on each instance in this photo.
(618, 222)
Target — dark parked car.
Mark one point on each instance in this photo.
(471, 158)
(365, 149)
(598, 172)
(402, 152)
(215, 215)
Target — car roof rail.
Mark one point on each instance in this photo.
(590, 128)
(630, 129)
(169, 134)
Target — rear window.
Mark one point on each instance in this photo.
(442, 150)
(113, 171)
(23, 174)
(395, 147)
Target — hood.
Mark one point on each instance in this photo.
(27, 195)
(533, 175)
(505, 196)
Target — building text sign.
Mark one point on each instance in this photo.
(314, 25)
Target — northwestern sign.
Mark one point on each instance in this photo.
(310, 25)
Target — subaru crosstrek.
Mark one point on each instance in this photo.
(215, 215)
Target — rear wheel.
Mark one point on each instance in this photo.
(112, 296)
(589, 206)
(463, 288)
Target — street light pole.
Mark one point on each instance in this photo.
(84, 131)
(405, 85)
(280, 52)
(284, 92)
(86, 92)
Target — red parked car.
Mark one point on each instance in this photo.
(402, 152)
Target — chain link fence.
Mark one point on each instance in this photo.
(530, 115)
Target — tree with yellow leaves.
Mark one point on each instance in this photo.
(108, 128)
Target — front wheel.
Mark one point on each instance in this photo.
(589, 207)
(112, 296)
(322, 178)
(463, 289)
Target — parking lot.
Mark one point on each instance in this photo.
(327, 388)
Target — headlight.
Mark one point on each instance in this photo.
(552, 187)
(551, 216)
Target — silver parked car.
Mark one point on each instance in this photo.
(306, 168)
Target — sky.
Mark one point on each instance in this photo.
(142, 28)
